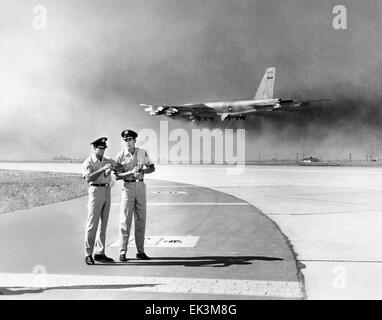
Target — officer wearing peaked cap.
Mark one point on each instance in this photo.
(101, 142)
(135, 163)
(128, 134)
(96, 171)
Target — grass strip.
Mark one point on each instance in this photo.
(26, 189)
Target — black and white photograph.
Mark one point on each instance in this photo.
(208, 151)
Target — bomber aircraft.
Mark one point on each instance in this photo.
(263, 102)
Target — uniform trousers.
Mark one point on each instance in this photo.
(133, 202)
(98, 216)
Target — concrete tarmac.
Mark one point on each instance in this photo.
(331, 215)
(205, 244)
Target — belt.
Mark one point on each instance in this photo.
(99, 185)
(140, 180)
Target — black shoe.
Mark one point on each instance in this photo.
(89, 260)
(102, 258)
(122, 258)
(142, 256)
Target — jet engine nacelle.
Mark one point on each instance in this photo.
(171, 111)
(158, 110)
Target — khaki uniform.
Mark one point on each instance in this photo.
(133, 199)
(98, 205)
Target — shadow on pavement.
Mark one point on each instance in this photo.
(204, 261)
(12, 291)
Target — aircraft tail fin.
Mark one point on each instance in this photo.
(265, 90)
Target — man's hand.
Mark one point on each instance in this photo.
(106, 167)
(117, 176)
(118, 168)
(134, 171)
(123, 175)
(138, 171)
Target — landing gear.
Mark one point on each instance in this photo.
(194, 119)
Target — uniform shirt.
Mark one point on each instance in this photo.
(130, 161)
(92, 164)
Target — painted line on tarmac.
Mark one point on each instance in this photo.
(192, 204)
(177, 186)
(341, 261)
(326, 213)
(278, 289)
(318, 200)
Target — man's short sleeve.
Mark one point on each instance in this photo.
(86, 168)
(147, 162)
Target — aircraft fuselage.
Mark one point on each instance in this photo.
(241, 106)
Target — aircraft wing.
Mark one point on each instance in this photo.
(196, 111)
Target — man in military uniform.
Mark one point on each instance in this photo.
(97, 172)
(133, 160)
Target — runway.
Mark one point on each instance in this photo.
(331, 215)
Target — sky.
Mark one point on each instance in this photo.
(84, 76)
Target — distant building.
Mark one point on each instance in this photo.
(310, 159)
(370, 158)
(66, 159)
(58, 158)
